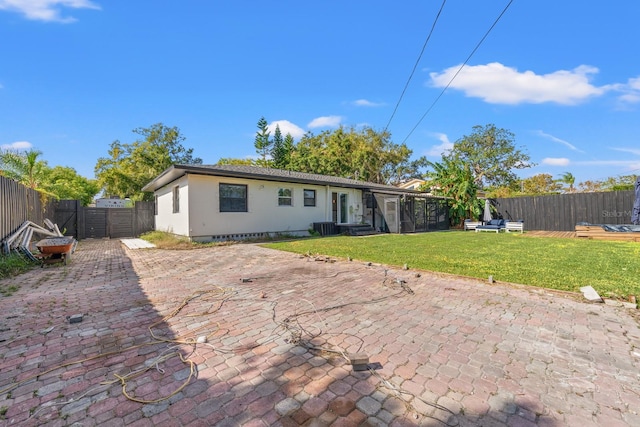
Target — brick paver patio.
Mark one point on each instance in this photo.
(273, 330)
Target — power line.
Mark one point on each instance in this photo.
(459, 69)
(433, 26)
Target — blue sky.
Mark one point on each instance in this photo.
(564, 77)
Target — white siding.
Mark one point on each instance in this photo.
(263, 216)
(166, 220)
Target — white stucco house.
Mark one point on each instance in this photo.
(222, 202)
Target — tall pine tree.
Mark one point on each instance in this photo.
(262, 142)
(277, 151)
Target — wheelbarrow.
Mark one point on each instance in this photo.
(56, 249)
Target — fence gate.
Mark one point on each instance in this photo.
(98, 223)
(66, 216)
(120, 223)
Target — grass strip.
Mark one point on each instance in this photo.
(611, 267)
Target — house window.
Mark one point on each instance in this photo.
(309, 197)
(233, 198)
(285, 197)
(176, 199)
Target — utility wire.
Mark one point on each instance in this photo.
(433, 26)
(459, 69)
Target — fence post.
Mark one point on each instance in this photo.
(80, 220)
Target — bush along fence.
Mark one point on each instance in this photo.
(561, 212)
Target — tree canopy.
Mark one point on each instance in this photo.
(454, 179)
(363, 154)
(60, 182)
(129, 167)
(491, 154)
(65, 183)
(24, 167)
(568, 179)
(542, 183)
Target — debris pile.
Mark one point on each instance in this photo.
(20, 240)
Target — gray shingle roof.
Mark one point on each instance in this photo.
(254, 172)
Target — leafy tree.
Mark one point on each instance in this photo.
(619, 183)
(60, 182)
(568, 179)
(501, 192)
(491, 154)
(262, 142)
(364, 154)
(540, 184)
(65, 183)
(129, 167)
(454, 179)
(590, 186)
(24, 167)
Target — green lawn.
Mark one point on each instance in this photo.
(612, 268)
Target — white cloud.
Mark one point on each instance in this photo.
(555, 161)
(630, 164)
(367, 103)
(46, 10)
(440, 149)
(326, 121)
(286, 127)
(628, 150)
(630, 91)
(498, 84)
(17, 146)
(558, 140)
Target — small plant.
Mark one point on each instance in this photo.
(313, 233)
(3, 412)
(13, 264)
(8, 290)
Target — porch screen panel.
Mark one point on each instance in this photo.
(420, 209)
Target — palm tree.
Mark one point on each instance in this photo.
(569, 179)
(24, 167)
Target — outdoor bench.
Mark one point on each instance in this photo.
(514, 226)
(494, 225)
(471, 225)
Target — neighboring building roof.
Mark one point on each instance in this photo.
(254, 172)
(412, 184)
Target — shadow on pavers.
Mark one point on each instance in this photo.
(74, 335)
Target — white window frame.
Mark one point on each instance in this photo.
(283, 199)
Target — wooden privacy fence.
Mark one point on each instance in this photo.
(95, 223)
(19, 204)
(561, 212)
